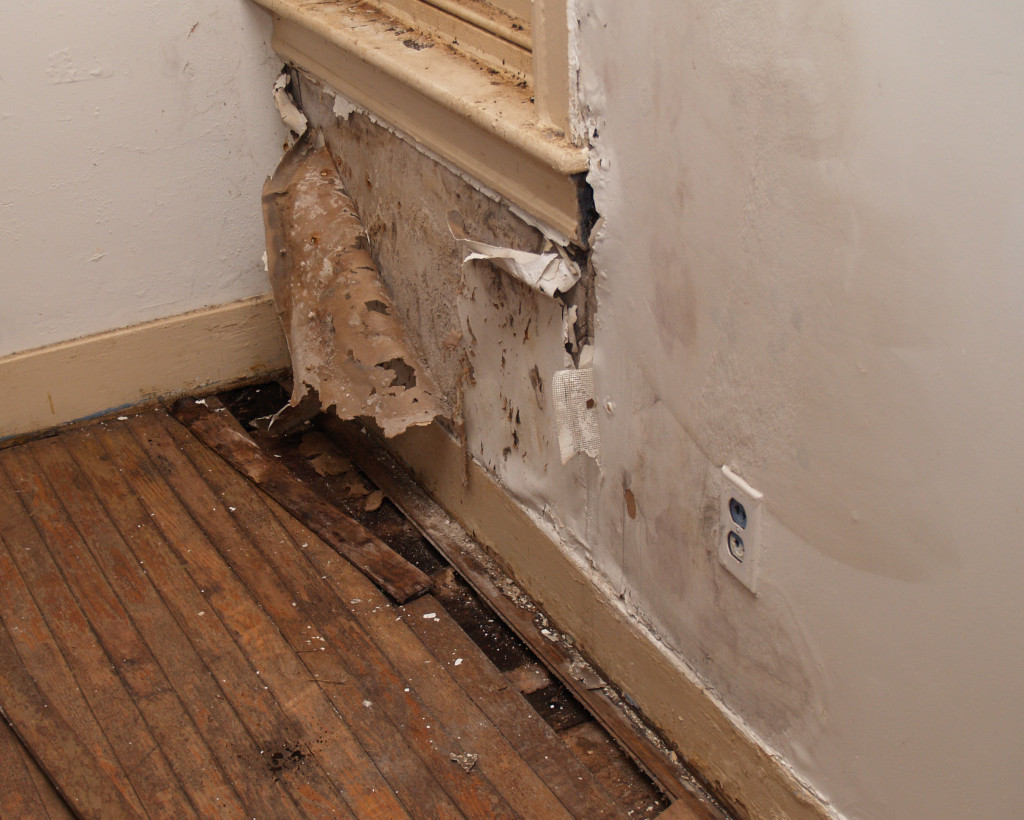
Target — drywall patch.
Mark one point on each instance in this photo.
(350, 351)
(572, 391)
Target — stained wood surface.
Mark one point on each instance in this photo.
(25, 789)
(175, 643)
(398, 577)
(456, 545)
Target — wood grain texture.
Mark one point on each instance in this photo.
(175, 643)
(26, 791)
(400, 579)
(457, 546)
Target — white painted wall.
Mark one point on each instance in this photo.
(812, 269)
(135, 139)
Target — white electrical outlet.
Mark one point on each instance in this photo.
(739, 545)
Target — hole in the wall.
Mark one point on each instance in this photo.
(377, 306)
(405, 376)
(587, 207)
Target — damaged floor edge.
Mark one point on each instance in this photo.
(132, 464)
(744, 774)
(459, 548)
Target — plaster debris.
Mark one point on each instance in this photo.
(351, 353)
(576, 413)
(550, 273)
(293, 118)
(467, 761)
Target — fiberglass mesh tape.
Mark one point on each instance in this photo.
(576, 413)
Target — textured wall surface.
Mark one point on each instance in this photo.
(135, 139)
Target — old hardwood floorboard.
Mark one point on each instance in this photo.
(175, 643)
(272, 731)
(26, 791)
(299, 623)
(275, 663)
(76, 585)
(320, 622)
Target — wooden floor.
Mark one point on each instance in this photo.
(175, 644)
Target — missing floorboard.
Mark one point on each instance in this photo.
(332, 473)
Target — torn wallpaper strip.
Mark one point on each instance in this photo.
(550, 273)
(349, 347)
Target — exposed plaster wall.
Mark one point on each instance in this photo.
(478, 327)
(135, 139)
(810, 269)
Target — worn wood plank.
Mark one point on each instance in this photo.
(457, 546)
(305, 609)
(177, 703)
(53, 804)
(193, 706)
(271, 730)
(87, 785)
(570, 780)
(24, 790)
(33, 640)
(366, 792)
(400, 579)
(47, 585)
(68, 633)
(431, 680)
(363, 661)
(618, 774)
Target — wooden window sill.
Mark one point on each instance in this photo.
(479, 121)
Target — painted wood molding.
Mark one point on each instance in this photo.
(484, 125)
(98, 374)
(754, 782)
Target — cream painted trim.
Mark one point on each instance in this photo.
(550, 37)
(481, 123)
(72, 380)
(740, 770)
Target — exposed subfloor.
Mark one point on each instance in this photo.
(175, 643)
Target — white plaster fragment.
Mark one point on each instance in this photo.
(290, 114)
(344, 107)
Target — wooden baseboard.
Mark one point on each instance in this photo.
(95, 375)
(739, 769)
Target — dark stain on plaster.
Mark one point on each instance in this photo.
(538, 386)
(630, 499)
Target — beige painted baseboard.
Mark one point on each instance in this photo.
(94, 375)
(753, 782)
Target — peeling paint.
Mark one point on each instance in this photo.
(349, 347)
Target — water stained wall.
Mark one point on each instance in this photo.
(491, 343)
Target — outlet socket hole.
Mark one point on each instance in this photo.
(736, 548)
(738, 513)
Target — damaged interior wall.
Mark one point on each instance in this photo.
(135, 139)
(808, 270)
(491, 342)
(350, 353)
